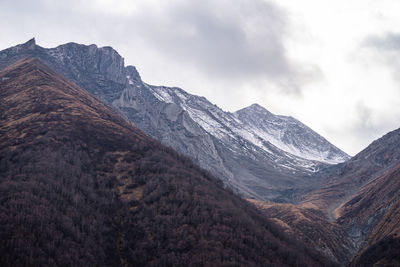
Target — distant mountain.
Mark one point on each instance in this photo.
(289, 135)
(81, 186)
(256, 153)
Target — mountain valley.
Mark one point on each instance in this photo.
(100, 168)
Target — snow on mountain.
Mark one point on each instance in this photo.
(289, 135)
(256, 125)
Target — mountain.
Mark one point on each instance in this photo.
(344, 180)
(271, 157)
(362, 196)
(81, 186)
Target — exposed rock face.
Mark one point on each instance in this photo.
(100, 71)
(382, 246)
(372, 217)
(269, 160)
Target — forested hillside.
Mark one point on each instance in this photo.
(80, 186)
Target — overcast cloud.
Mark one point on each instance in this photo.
(327, 63)
(387, 42)
(386, 49)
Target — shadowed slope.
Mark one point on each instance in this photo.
(80, 186)
(374, 215)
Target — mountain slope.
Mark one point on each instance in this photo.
(372, 216)
(227, 146)
(218, 141)
(344, 180)
(371, 202)
(354, 217)
(82, 187)
(383, 244)
(310, 227)
(362, 196)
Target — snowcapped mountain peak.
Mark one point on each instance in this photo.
(290, 135)
(257, 126)
(263, 112)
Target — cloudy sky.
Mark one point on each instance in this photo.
(331, 64)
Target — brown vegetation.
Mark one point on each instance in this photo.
(79, 186)
(311, 227)
(375, 211)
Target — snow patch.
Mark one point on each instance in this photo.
(129, 79)
(161, 93)
(205, 121)
(180, 95)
